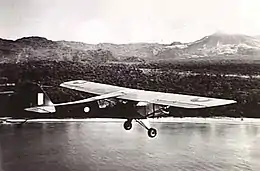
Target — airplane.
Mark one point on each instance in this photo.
(147, 104)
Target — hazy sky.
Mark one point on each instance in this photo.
(122, 21)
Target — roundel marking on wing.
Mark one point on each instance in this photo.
(200, 100)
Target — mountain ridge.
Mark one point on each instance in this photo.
(217, 45)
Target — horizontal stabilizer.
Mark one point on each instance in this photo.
(5, 118)
(42, 109)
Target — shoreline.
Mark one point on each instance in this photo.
(154, 120)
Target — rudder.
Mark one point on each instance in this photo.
(30, 97)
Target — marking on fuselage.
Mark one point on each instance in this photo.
(40, 99)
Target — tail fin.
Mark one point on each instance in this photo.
(31, 97)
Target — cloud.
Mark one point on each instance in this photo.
(122, 21)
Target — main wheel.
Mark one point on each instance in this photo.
(152, 132)
(127, 125)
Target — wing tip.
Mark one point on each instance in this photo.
(73, 82)
(222, 103)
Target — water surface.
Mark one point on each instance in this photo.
(104, 145)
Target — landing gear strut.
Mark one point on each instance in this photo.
(151, 131)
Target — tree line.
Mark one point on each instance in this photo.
(245, 91)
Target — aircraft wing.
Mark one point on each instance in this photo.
(160, 98)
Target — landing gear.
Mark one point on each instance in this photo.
(128, 124)
(152, 132)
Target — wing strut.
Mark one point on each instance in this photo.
(41, 109)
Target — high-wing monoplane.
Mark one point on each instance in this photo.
(146, 103)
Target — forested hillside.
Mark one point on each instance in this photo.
(211, 80)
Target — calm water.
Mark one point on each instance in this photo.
(102, 145)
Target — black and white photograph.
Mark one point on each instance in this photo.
(135, 85)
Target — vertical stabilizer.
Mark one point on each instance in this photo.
(31, 97)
